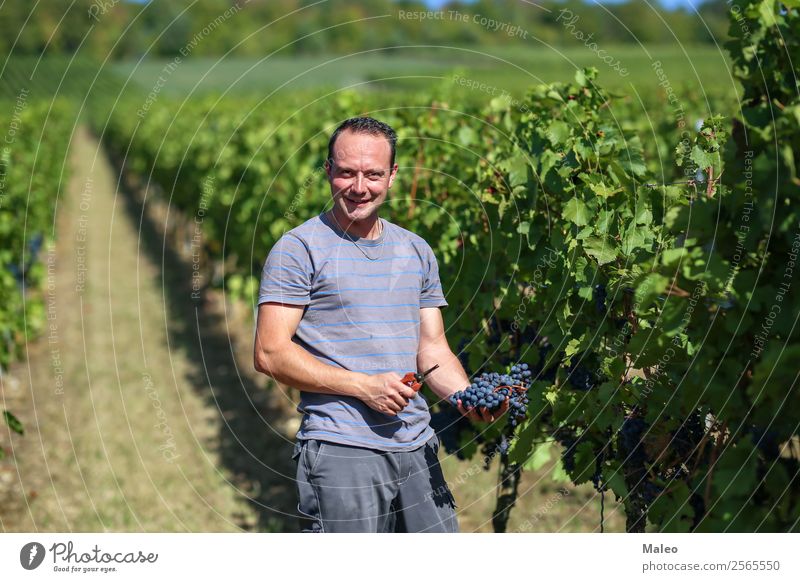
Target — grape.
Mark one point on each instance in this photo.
(698, 504)
(650, 491)
(490, 390)
(631, 434)
(581, 378)
(688, 435)
(569, 441)
(599, 294)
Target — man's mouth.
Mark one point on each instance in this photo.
(356, 202)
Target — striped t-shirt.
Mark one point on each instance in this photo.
(362, 299)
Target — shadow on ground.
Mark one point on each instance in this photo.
(250, 446)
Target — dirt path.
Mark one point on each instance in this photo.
(138, 415)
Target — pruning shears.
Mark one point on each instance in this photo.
(415, 380)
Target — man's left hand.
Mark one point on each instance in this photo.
(482, 413)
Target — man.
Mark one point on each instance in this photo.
(349, 303)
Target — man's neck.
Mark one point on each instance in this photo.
(369, 228)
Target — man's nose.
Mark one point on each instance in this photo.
(360, 184)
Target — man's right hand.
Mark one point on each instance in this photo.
(386, 393)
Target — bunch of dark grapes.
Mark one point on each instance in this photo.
(499, 445)
(491, 389)
(580, 377)
(698, 504)
(688, 435)
(766, 441)
(650, 491)
(568, 456)
(543, 371)
(599, 295)
(631, 435)
(568, 440)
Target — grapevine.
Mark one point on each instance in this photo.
(654, 307)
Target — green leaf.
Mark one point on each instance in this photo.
(600, 249)
(558, 132)
(673, 508)
(517, 169)
(704, 159)
(635, 238)
(586, 75)
(617, 484)
(520, 450)
(585, 462)
(13, 422)
(633, 157)
(539, 458)
(605, 221)
(670, 256)
(649, 288)
(573, 347)
(643, 214)
(467, 136)
(604, 191)
(559, 474)
(575, 211)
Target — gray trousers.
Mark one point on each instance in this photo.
(351, 489)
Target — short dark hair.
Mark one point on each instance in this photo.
(365, 125)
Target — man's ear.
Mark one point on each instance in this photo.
(328, 169)
(393, 175)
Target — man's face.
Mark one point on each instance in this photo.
(359, 174)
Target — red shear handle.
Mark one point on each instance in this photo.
(410, 379)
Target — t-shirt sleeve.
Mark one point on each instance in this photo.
(286, 276)
(432, 294)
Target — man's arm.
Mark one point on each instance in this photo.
(450, 376)
(277, 356)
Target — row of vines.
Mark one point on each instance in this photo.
(35, 139)
(643, 264)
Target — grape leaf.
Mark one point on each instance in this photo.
(600, 249)
(575, 211)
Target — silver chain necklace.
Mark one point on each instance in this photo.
(349, 236)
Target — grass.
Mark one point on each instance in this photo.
(543, 505)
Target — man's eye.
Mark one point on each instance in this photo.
(375, 176)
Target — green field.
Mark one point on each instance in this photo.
(506, 68)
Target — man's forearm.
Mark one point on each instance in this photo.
(294, 366)
(449, 377)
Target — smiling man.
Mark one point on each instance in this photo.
(349, 303)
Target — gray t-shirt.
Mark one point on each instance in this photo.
(361, 315)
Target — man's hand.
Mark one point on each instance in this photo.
(481, 413)
(386, 393)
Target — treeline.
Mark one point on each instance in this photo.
(166, 28)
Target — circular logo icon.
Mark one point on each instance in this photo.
(31, 555)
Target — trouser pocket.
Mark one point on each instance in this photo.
(306, 454)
